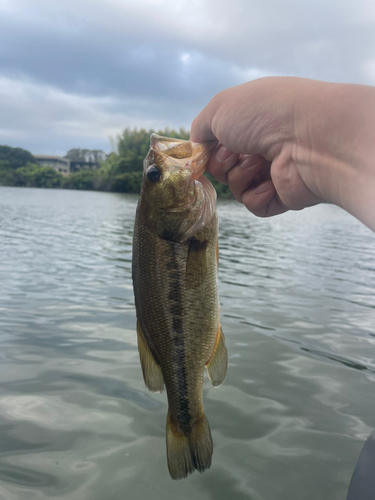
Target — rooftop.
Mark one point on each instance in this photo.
(49, 157)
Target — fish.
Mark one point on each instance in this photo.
(175, 280)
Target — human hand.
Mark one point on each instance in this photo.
(289, 143)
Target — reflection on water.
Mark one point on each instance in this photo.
(297, 308)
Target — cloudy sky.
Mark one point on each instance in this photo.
(74, 73)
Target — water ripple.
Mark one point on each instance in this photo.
(297, 297)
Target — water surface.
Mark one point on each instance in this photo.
(297, 309)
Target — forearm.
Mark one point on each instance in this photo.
(335, 150)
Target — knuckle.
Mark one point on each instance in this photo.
(220, 97)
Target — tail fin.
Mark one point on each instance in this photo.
(187, 452)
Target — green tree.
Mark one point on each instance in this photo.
(121, 171)
(14, 157)
(132, 147)
(93, 155)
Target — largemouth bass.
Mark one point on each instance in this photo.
(175, 265)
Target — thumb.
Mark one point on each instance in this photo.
(201, 128)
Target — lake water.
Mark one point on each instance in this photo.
(76, 421)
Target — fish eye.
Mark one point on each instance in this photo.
(153, 173)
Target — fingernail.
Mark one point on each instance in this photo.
(262, 188)
(223, 154)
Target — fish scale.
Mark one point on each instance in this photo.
(176, 295)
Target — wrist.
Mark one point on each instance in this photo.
(335, 147)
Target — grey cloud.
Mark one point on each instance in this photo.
(159, 65)
(109, 49)
(124, 69)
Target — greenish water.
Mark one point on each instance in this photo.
(76, 421)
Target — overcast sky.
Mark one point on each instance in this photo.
(74, 73)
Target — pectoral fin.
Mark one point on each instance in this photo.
(218, 363)
(151, 370)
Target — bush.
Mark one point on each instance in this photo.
(35, 176)
(8, 177)
(46, 177)
(128, 183)
(84, 179)
(31, 176)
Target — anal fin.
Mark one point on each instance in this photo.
(218, 363)
(152, 374)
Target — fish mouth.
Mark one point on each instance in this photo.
(198, 164)
(197, 171)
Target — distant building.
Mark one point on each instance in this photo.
(76, 165)
(59, 164)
